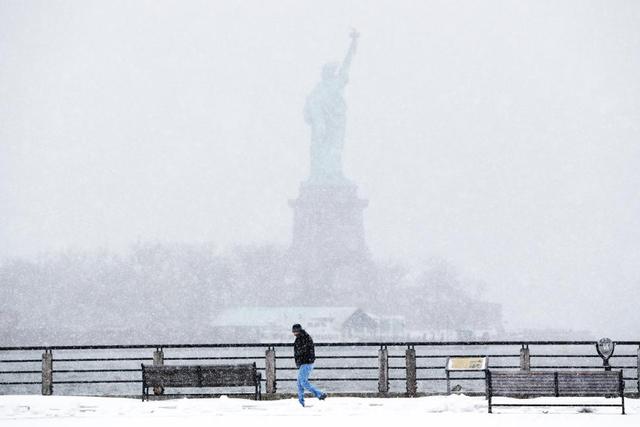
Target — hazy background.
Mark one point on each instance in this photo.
(502, 136)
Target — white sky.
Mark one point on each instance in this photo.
(500, 135)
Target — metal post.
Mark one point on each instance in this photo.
(638, 366)
(158, 360)
(383, 370)
(489, 388)
(47, 373)
(270, 369)
(525, 358)
(412, 383)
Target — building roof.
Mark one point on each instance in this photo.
(282, 317)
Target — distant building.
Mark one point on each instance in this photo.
(273, 324)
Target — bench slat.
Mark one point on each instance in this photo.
(588, 383)
(228, 376)
(171, 376)
(523, 383)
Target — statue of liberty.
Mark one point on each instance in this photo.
(326, 113)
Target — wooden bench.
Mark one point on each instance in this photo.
(242, 375)
(526, 384)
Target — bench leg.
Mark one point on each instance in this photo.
(622, 396)
(488, 388)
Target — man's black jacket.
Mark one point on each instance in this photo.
(303, 350)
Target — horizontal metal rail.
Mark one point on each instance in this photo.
(320, 344)
(103, 359)
(20, 382)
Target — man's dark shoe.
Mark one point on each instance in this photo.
(323, 396)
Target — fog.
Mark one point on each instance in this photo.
(501, 137)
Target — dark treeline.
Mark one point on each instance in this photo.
(170, 292)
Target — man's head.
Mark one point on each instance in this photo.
(296, 329)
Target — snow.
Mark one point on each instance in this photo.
(434, 410)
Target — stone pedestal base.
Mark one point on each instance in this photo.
(328, 252)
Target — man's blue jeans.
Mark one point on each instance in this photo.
(303, 382)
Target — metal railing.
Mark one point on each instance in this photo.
(360, 368)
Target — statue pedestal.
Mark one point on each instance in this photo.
(328, 251)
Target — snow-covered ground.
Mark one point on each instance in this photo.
(434, 411)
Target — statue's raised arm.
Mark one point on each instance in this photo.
(344, 68)
(325, 111)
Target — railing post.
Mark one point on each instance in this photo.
(383, 370)
(158, 357)
(47, 373)
(158, 360)
(412, 383)
(270, 369)
(525, 358)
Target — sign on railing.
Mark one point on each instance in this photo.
(464, 364)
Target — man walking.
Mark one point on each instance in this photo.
(304, 355)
